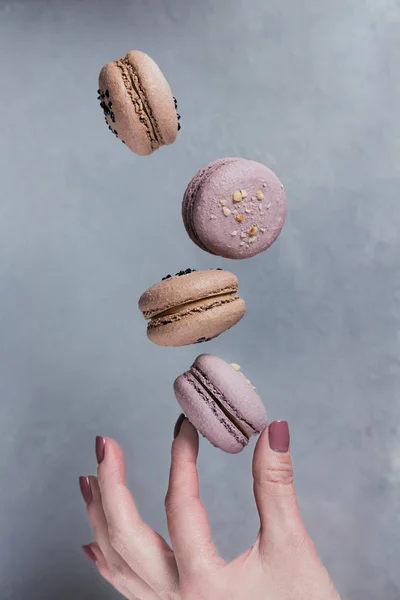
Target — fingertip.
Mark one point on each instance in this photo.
(263, 437)
(96, 495)
(100, 444)
(185, 433)
(178, 425)
(88, 551)
(113, 462)
(95, 555)
(112, 447)
(188, 429)
(279, 436)
(275, 437)
(261, 448)
(92, 479)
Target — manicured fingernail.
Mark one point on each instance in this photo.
(100, 447)
(178, 425)
(89, 553)
(86, 490)
(279, 437)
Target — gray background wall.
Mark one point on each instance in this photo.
(310, 88)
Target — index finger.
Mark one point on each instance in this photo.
(187, 519)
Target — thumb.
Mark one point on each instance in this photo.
(274, 489)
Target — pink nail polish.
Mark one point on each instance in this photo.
(86, 490)
(279, 437)
(178, 425)
(100, 447)
(89, 553)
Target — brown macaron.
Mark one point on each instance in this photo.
(137, 102)
(191, 307)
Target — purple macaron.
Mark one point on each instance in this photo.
(234, 208)
(221, 403)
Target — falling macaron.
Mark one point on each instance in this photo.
(138, 104)
(191, 307)
(221, 403)
(234, 208)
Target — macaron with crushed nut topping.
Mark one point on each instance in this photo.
(221, 403)
(191, 307)
(234, 208)
(138, 104)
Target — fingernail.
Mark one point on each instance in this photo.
(89, 553)
(279, 437)
(178, 425)
(100, 447)
(86, 490)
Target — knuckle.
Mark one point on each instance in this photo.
(183, 461)
(171, 505)
(119, 574)
(175, 503)
(104, 572)
(199, 587)
(117, 473)
(292, 545)
(278, 474)
(296, 541)
(168, 595)
(117, 541)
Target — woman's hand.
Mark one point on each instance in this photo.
(281, 565)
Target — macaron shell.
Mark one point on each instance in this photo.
(158, 93)
(127, 121)
(208, 319)
(224, 235)
(190, 195)
(178, 290)
(205, 416)
(234, 386)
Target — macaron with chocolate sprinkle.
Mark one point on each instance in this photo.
(137, 103)
(191, 307)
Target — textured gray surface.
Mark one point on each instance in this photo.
(313, 90)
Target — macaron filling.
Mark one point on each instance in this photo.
(223, 404)
(191, 307)
(139, 99)
(177, 312)
(192, 303)
(187, 306)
